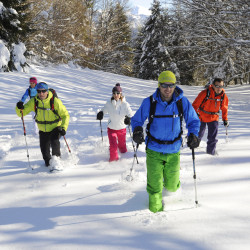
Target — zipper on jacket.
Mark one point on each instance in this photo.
(173, 121)
(44, 115)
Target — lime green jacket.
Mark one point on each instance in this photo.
(46, 119)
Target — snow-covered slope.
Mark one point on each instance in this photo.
(90, 205)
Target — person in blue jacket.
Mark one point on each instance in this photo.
(164, 136)
(31, 92)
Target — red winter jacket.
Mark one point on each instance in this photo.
(208, 110)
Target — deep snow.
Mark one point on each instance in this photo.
(90, 205)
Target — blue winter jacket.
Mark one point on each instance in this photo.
(167, 128)
(33, 92)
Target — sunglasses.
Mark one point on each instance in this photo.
(218, 87)
(167, 85)
(41, 91)
(116, 93)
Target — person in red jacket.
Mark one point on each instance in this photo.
(207, 105)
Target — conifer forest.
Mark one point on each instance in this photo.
(196, 39)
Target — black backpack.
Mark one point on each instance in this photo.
(51, 108)
(152, 116)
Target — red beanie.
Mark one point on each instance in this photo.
(33, 79)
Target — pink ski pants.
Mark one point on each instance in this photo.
(117, 139)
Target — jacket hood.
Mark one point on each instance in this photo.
(123, 99)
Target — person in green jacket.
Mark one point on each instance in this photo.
(52, 122)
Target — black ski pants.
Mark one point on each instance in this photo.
(47, 140)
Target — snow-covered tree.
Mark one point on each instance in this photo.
(13, 30)
(113, 35)
(137, 50)
(178, 45)
(217, 31)
(62, 31)
(152, 57)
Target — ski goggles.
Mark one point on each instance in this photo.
(219, 87)
(116, 93)
(168, 85)
(41, 91)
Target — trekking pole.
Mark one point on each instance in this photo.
(133, 144)
(101, 129)
(226, 135)
(129, 177)
(66, 143)
(196, 200)
(24, 133)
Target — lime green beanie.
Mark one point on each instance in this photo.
(167, 76)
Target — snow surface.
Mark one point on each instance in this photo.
(90, 205)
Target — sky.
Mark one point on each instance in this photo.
(144, 5)
(90, 204)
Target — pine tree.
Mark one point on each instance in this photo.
(113, 34)
(154, 57)
(14, 27)
(137, 50)
(218, 34)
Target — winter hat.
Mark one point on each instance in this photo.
(166, 76)
(117, 88)
(33, 79)
(42, 85)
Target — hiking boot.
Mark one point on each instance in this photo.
(47, 163)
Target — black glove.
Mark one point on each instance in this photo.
(138, 135)
(127, 120)
(99, 115)
(20, 105)
(61, 131)
(193, 141)
(226, 123)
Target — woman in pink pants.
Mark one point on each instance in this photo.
(119, 116)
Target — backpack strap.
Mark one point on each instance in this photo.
(151, 112)
(152, 116)
(221, 100)
(52, 108)
(180, 111)
(36, 104)
(208, 97)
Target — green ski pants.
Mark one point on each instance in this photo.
(163, 170)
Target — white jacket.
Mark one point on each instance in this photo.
(117, 111)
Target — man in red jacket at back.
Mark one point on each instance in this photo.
(207, 105)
